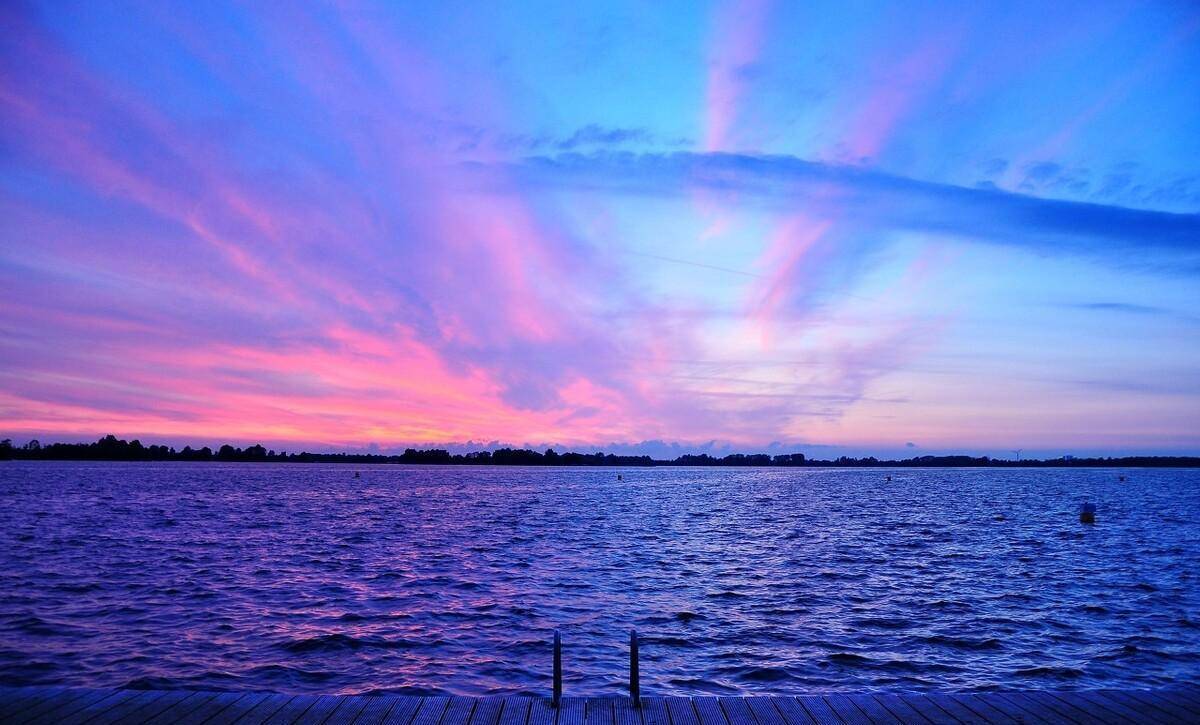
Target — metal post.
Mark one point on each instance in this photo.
(557, 668)
(635, 686)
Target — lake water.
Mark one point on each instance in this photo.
(300, 578)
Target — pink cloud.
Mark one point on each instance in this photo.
(738, 33)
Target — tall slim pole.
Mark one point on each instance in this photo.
(635, 686)
(557, 668)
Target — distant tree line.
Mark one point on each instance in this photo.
(111, 448)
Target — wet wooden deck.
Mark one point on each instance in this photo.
(67, 706)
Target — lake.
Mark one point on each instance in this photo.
(419, 580)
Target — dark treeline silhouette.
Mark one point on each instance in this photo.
(111, 448)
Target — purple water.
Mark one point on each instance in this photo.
(302, 578)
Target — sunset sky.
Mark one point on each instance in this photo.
(895, 227)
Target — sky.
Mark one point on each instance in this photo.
(639, 227)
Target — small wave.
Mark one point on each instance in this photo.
(761, 674)
(882, 623)
(727, 594)
(1060, 673)
(336, 641)
(964, 643)
(950, 605)
(667, 641)
(1126, 650)
(37, 626)
(695, 684)
(151, 683)
(78, 588)
(289, 676)
(848, 658)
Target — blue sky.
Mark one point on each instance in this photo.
(829, 226)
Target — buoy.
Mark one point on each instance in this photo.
(1087, 514)
(1120, 478)
(619, 478)
(357, 474)
(889, 478)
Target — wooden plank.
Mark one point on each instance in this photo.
(347, 710)
(388, 710)
(737, 711)
(877, 713)
(541, 712)
(764, 710)
(291, 710)
(571, 711)
(708, 710)
(174, 713)
(1184, 696)
(625, 712)
(1134, 709)
(798, 710)
(458, 712)
(907, 713)
(654, 711)
(91, 710)
(1007, 708)
(1043, 706)
(9, 696)
(151, 710)
(320, 709)
(955, 709)
(431, 711)
(124, 709)
(487, 711)
(45, 704)
(515, 710)
(64, 710)
(681, 710)
(846, 710)
(1164, 701)
(24, 698)
(254, 708)
(599, 711)
(55, 700)
(1074, 707)
(213, 708)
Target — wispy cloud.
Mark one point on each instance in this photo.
(393, 222)
(878, 198)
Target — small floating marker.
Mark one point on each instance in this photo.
(1087, 514)
(1120, 478)
(620, 477)
(889, 478)
(357, 474)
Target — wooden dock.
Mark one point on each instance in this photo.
(67, 706)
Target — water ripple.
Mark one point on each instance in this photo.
(420, 580)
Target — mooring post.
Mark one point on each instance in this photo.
(557, 668)
(635, 687)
